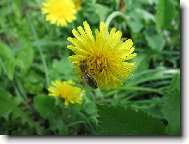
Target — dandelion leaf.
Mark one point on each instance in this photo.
(10, 105)
(171, 107)
(165, 12)
(45, 105)
(120, 121)
(7, 103)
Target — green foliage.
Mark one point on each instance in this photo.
(102, 11)
(8, 103)
(175, 83)
(5, 52)
(90, 108)
(165, 12)
(62, 68)
(171, 110)
(11, 105)
(33, 52)
(121, 121)
(9, 68)
(8, 61)
(26, 55)
(45, 105)
(155, 40)
(171, 107)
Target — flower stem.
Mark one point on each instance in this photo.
(40, 52)
(112, 16)
(45, 65)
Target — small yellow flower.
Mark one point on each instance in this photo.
(105, 56)
(60, 12)
(67, 91)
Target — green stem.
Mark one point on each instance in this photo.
(45, 65)
(152, 101)
(40, 52)
(112, 16)
(21, 89)
(164, 52)
(20, 92)
(23, 98)
(135, 88)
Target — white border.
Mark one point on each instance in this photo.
(135, 140)
(185, 70)
(2, 139)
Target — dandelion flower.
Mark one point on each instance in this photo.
(105, 56)
(66, 91)
(60, 12)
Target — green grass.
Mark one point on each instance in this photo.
(33, 53)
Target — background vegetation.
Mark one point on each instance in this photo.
(33, 52)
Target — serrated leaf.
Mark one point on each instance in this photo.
(165, 12)
(45, 105)
(171, 111)
(171, 107)
(121, 121)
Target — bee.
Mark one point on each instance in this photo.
(86, 76)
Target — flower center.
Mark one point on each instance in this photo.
(96, 64)
(62, 8)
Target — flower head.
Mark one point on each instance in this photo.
(60, 12)
(67, 91)
(105, 56)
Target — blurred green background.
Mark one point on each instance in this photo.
(33, 52)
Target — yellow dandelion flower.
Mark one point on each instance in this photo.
(103, 58)
(60, 12)
(67, 91)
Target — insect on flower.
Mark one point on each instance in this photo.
(101, 59)
(86, 76)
